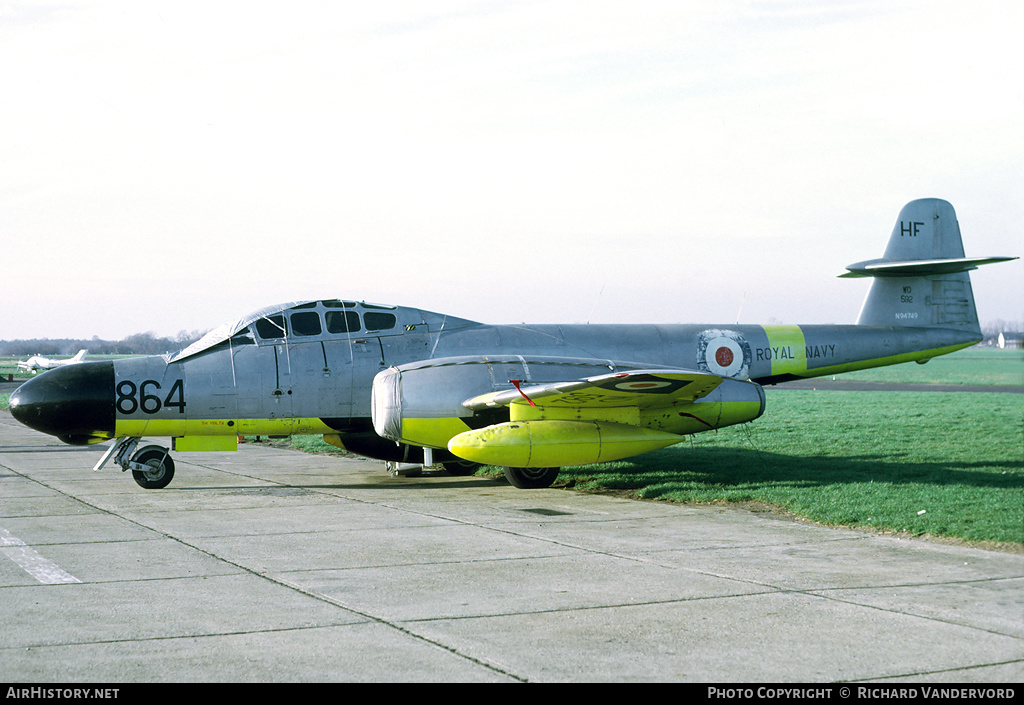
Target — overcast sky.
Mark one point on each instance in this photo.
(167, 166)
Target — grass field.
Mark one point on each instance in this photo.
(947, 464)
(984, 366)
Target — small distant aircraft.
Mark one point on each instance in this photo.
(38, 362)
(408, 386)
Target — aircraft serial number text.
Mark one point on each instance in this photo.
(133, 397)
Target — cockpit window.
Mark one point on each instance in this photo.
(272, 327)
(342, 321)
(306, 323)
(271, 324)
(379, 321)
(243, 337)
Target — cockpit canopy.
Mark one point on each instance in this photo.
(299, 320)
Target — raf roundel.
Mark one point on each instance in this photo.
(724, 356)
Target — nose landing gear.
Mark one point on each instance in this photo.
(151, 466)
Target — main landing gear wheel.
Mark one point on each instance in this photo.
(460, 468)
(530, 478)
(160, 470)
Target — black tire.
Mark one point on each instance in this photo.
(530, 478)
(460, 468)
(162, 471)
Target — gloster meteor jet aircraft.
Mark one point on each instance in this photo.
(409, 386)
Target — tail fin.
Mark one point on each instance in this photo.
(922, 280)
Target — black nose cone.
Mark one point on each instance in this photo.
(74, 402)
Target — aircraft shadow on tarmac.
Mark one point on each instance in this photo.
(707, 467)
(54, 449)
(752, 468)
(437, 482)
(686, 467)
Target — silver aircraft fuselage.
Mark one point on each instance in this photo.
(320, 382)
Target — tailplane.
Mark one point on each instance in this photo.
(922, 279)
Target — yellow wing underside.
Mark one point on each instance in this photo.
(640, 389)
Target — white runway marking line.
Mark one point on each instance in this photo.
(43, 570)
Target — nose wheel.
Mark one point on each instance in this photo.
(152, 468)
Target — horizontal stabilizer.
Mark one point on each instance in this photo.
(918, 268)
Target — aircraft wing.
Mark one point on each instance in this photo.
(565, 415)
(640, 389)
(603, 418)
